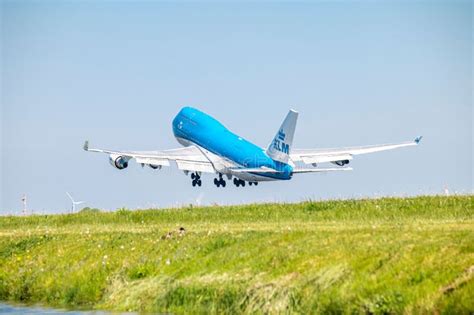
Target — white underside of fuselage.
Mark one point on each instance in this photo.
(224, 165)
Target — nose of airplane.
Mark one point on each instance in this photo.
(177, 121)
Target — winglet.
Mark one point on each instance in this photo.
(418, 139)
(86, 146)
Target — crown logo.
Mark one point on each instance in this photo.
(281, 135)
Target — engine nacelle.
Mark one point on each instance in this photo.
(153, 166)
(341, 162)
(118, 161)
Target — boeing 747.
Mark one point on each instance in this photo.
(209, 147)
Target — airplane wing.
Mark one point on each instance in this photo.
(310, 156)
(187, 158)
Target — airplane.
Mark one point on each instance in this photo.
(209, 147)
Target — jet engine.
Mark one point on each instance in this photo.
(341, 162)
(153, 166)
(118, 161)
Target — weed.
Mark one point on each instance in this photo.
(382, 256)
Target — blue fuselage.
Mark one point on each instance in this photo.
(201, 129)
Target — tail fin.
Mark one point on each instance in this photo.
(280, 147)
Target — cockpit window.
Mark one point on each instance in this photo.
(188, 116)
(186, 120)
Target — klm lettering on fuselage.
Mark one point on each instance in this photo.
(279, 143)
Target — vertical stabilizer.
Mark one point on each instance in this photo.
(280, 147)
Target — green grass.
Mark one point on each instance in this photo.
(382, 256)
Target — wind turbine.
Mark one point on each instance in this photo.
(74, 203)
(23, 200)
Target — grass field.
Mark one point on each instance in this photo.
(390, 255)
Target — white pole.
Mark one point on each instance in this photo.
(23, 199)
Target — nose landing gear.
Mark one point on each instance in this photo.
(219, 182)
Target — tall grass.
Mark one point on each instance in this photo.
(377, 256)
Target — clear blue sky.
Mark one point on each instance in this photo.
(116, 73)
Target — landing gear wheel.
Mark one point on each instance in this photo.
(199, 182)
(193, 176)
(242, 183)
(250, 183)
(219, 182)
(194, 183)
(236, 182)
(255, 183)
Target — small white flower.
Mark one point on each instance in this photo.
(168, 261)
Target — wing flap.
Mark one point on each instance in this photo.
(152, 161)
(320, 170)
(195, 166)
(255, 170)
(308, 159)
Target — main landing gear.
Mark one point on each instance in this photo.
(196, 179)
(219, 182)
(239, 182)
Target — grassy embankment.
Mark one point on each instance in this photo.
(389, 255)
